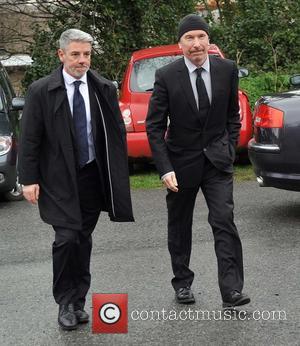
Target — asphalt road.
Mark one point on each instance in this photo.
(133, 259)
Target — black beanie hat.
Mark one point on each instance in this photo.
(192, 22)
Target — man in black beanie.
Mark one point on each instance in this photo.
(198, 94)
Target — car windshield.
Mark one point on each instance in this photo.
(143, 75)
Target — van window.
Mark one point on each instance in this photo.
(143, 73)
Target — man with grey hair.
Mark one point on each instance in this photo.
(73, 163)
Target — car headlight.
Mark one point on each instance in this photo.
(5, 144)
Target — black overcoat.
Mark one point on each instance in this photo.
(47, 155)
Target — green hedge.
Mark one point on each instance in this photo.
(263, 83)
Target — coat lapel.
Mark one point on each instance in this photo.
(183, 76)
(63, 121)
(65, 131)
(56, 84)
(94, 111)
(99, 84)
(102, 89)
(216, 80)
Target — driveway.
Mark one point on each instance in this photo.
(133, 259)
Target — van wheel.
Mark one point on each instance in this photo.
(16, 194)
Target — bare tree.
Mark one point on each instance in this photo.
(17, 21)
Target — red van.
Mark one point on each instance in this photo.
(135, 93)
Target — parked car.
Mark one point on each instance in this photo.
(274, 150)
(10, 105)
(135, 93)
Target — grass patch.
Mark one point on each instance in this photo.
(243, 173)
(146, 177)
(145, 180)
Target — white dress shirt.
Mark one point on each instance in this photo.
(84, 90)
(205, 76)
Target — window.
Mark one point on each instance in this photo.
(143, 73)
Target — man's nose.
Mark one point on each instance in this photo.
(82, 58)
(197, 42)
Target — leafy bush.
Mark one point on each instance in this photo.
(263, 34)
(263, 83)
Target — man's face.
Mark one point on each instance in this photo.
(76, 58)
(194, 45)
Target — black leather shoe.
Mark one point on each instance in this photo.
(66, 317)
(82, 316)
(184, 295)
(235, 298)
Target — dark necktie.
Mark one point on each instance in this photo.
(80, 124)
(202, 96)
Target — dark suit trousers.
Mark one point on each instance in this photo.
(71, 249)
(217, 188)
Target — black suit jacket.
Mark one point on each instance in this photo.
(177, 145)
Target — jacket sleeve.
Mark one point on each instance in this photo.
(233, 118)
(156, 125)
(32, 129)
(115, 105)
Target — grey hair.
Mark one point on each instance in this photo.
(71, 35)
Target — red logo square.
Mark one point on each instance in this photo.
(110, 313)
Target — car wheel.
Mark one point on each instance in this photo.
(131, 168)
(242, 159)
(16, 194)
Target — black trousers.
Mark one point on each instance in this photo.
(217, 188)
(71, 250)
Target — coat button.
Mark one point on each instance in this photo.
(204, 149)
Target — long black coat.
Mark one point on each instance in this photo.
(173, 99)
(47, 153)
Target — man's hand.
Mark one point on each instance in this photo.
(170, 182)
(31, 193)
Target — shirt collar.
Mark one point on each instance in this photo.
(70, 79)
(191, 67)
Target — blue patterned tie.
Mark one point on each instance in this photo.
(80, 124)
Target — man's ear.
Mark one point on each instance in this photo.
(61, 54)
(179, 45)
